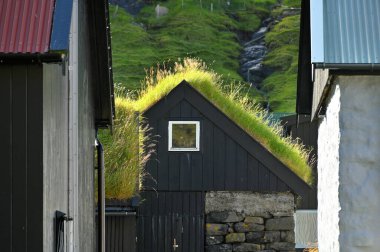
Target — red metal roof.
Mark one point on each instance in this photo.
(25, 25)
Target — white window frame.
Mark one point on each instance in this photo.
(197, 135)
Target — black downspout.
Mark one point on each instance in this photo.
(101, 198)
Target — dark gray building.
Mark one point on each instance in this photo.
(56, 89)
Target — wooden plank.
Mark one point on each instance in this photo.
(185, 110)
(153, 179)
(161, 221)
(175, 112)
(163, 156)
(263, 178)
(185, 221)
(196, 171)
(34, 160)
(195, 113)
(272, 182)
(241, 168)
(207, 150)
(253, 174)
(154, 223)
(219, 159)
(174, 171)
(230, 164)
(19, 157)
(185, 171)
(192, 228)
(6, 162)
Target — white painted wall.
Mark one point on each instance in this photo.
(349, 166)
(328, 175)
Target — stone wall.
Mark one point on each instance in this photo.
(247, 221)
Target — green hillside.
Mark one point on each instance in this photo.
(210, 32)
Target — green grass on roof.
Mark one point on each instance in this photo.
(125, 154)
(235, 105)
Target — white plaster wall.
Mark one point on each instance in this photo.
(349, 167)
(328, 175)
(359, 189)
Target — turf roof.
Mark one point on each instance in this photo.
(236, 107)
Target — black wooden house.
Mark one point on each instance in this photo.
(199, 149)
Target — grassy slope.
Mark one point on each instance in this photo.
(186, 31)
(282, 42)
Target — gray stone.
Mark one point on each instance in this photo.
(255, 237)
(235, 237)
(250, 203)
(284, 223)
(216, 229)
(281, 246)
(288, 213)
(272, 236)
(257, 220)
(246, 247)
(224, 217)
(216, 239)
(287, 236)
(219, 248)
(243, 227)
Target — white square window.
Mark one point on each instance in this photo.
(183, 135)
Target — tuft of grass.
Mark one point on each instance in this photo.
(127, 150)
(235, 105)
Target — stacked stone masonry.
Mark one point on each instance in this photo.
(239, 230)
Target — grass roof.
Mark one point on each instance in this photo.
(124, 150)
(235, 105)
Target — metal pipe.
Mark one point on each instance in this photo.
(101, 198)
(346, 66)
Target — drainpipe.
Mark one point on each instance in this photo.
(101, 198)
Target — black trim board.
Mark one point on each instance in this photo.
(185, 91)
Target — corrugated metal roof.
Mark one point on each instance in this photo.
(351, 31)
(25, 25)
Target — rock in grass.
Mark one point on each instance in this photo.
(216, 229)
(235, 237)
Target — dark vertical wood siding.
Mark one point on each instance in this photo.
(307, 132)
(120, 233)
(21, 192)
(221, 163)
(165, 216)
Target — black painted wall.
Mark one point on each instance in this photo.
(21, 148)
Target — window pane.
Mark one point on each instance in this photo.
(184, 136)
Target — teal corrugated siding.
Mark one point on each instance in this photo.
(351, 31)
